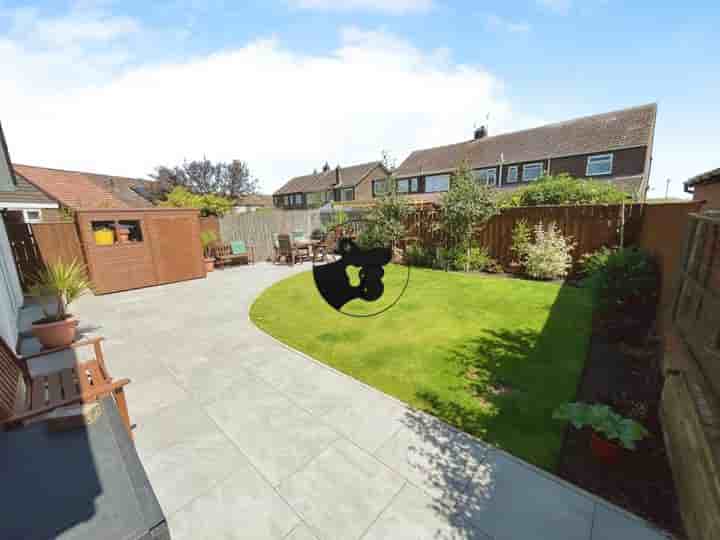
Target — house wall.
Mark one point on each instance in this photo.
(627, 162)
(11, 297)
(710, 193)
(363, 191)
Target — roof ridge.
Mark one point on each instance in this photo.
(544, 126)
(77, 172)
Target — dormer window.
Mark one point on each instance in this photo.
(599, 165)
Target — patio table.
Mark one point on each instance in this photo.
(85, 483)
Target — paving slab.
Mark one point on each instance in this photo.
(276, 435)
(341, 492)
(413, 515)
(243, 507)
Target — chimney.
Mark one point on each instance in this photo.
(326, 167)
(480, 133)
(338, 176)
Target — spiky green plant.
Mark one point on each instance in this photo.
(65, 282)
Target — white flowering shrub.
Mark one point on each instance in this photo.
(547, 256)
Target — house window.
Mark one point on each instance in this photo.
(438, 182)
(288, 200)
(314, 199)
(512, 174)
(328, 196)
(347, 194)
(597, 165)
(532, 171)
(407, 185)
(32, 216)
(487, 176)
(298, 199)
(379, 187)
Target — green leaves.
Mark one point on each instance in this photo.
(603, 420)
(208, 204)
(564, 189)
(66, 282)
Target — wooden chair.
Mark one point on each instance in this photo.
(286, 249)
(24, 398)
(231, 252)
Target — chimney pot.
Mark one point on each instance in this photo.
(480, 133)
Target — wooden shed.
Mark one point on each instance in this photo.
(133, 248)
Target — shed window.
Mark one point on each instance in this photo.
(532, 171)
(134, 229)
(512, 174)
(438, 182)
(597, 165)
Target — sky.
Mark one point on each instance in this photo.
(287, 85)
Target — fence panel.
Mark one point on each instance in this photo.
(697, 309)
(591, 227)
(257, 228)
(42, 243)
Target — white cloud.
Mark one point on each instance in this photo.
(395, 7)
(558, 6)
(282, 111)
(495, 22)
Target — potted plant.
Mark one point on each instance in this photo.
(610, 431)
(207, 239)
(64, 283)
(123, 233)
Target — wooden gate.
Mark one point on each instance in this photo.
(37, 244)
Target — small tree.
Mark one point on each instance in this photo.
(387, 218)
(205, 177)
(208, 204)
(467, 205)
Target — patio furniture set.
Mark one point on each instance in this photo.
(297, 247)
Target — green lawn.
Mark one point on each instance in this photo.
(493, 356)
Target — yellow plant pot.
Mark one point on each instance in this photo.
(104, 237)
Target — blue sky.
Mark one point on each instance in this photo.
(121, 87)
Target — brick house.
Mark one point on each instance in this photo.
(341, 184)
(51, 190)
(706, 187)
(611, 147)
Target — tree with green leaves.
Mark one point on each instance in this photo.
(467, 205)
(564, 189)
(208, 204)
(387, 217)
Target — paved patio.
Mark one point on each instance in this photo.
(244, 438)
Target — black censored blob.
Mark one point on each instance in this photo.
(332, 280)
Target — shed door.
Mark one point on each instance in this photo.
(176, 248)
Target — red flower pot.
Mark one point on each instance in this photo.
(209, 264)
(55, 334)
(606, 451)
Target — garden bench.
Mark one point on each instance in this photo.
(24, 398)
(231, 252)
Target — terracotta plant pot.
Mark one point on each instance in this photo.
(55, 334)
(606, 451)
(209, 264)
(123, 236)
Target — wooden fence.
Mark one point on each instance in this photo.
(590, 227)
(42, 243)
(257, 228)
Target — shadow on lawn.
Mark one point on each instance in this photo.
(500, 393)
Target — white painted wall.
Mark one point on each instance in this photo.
(11, 297)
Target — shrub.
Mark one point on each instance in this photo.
(478, 260)
(521, 236)
(207, 239)
(592, 263)
(547, 254)
(563, 189)
(417, 255)
(603, 420)
(449, 258)
(627, 281)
